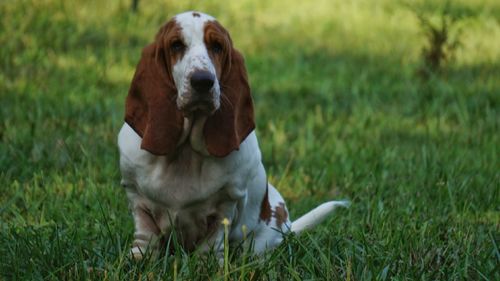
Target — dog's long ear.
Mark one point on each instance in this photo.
(234, 121)
(151, 106)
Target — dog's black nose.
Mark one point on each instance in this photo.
(202, 81)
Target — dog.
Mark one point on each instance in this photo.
(189, 156)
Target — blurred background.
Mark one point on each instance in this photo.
(392, 104)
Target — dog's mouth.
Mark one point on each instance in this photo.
(199, 108)
(198, 102)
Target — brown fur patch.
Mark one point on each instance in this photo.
(196, 15)
(214, 33)
(265, 208)
(168, 34)
(234, 121)
(280, 214)
(150, 107)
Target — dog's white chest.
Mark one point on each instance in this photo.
(173, 183)
(180, 183)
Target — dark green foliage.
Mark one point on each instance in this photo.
(442, 29)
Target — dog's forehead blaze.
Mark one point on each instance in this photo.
(192, 25)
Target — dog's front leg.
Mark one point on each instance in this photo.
(147, 233)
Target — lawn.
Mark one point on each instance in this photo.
(343, 111)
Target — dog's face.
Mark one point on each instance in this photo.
(198, 50)
(190, 74)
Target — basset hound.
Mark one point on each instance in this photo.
(189, 156)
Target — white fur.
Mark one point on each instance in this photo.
(195, 58)
(193, 185)
(316, 215)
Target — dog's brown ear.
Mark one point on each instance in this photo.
(151, 106)
(234, 121)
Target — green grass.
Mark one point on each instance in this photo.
(341, 113)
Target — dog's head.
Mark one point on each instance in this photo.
(190, 71)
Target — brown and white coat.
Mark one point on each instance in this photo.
(189, 156)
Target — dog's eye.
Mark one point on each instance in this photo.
(216, 48)
(177, 46)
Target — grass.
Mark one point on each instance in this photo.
(341, 113)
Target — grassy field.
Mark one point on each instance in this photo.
(342, 113)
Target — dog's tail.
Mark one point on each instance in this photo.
(316, 215)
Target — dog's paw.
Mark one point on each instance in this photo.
(137, 253)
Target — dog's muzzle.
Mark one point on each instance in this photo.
(202, 98)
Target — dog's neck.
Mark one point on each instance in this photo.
(193, 131)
